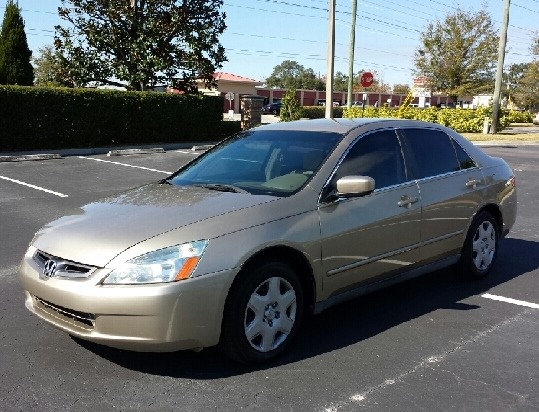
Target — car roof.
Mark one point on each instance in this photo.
(342, 125)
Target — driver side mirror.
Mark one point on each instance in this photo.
(355, 186)
(347, 187)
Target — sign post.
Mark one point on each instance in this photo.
(364, 102)
(230, 96)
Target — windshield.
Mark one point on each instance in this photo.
(274, 162)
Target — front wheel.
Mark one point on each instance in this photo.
(262, 314)
(481, 246)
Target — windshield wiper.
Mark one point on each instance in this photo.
(223, 188)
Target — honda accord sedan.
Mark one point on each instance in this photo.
(270, 225)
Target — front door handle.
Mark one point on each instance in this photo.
(407, 201)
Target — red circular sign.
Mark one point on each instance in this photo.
(366, 79)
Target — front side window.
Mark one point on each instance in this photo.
(377, 155)
(432, 152)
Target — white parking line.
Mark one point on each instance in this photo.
(513, 301)
(124, 164)
(33, 186)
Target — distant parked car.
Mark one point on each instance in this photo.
(272, 108)
(536, 119)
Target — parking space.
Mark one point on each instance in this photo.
(435, 343)
(93, 175)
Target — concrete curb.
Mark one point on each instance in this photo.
(202, 147)
(28, 157)
(127, 152)
(36, 155)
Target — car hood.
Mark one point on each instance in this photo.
(97, 232)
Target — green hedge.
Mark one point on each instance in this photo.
(461, 120)
(51, 118)
(517, 116)
(319, 112)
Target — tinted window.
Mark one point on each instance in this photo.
(432, 151)
(465, 161)
(377, 155)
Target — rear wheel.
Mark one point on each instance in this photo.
(481, 246)
(263, 313)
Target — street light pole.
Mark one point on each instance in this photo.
(330, 61)
(499, 69)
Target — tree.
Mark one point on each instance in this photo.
(340, 82)
(292, 75)
(15, 66)
(511, 78)
(291, 108)
(50, 69)
(142, 42)
(459, 54)
(526, 92)
(401, 88)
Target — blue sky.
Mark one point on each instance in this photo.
(263, 33)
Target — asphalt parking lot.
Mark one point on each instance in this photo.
(435, 343)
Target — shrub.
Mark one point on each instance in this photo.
(517, 116)
(319, 112)
(46, 118)
(461, 120)
(291, 108)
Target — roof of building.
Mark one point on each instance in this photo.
(233, 78)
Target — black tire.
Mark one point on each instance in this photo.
(480, 247)
(263, 313)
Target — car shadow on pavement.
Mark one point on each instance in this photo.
(345, 324)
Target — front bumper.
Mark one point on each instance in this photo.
(151, 318)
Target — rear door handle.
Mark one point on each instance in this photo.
(407, 201)
(472, 183)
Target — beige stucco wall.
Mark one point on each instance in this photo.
(237, 88)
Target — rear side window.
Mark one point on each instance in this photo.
(465, 161)
(432, 152)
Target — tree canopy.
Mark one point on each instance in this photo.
(49, 69)
(526, 92)
(292, 75)
(459, 54)
(401, 88)
(15, 66)
(141, 42)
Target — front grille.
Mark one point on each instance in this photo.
(87, 319)
(66, 269)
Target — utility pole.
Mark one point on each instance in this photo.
(351, 55)
(499, 69)
(330, 61)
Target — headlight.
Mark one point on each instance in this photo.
(164, 265)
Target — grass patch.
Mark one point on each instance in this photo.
(507, 135)
(503, 137)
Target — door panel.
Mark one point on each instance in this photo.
(450, 184)
(364, 238)
(449, 202)
(367, 237)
